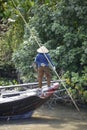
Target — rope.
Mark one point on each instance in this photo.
(47, 58)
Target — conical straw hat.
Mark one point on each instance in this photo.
(42, 49)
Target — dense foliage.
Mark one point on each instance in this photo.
(61, 27)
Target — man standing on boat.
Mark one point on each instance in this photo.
(42, 61)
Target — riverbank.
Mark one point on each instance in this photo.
(60, 117)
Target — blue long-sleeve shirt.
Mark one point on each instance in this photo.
(41, 59)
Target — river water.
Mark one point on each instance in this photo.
(60, 117)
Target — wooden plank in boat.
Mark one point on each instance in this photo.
(27, 84)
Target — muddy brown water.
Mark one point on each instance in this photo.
(59, 117)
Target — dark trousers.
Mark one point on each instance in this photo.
(41, 72)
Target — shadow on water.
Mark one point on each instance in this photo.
(33, 120)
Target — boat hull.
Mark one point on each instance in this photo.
(24, 104)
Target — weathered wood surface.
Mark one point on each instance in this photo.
(28, 84)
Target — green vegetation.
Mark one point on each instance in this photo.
(5, 81)
(60, 26)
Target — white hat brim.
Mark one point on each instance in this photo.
(42, 49)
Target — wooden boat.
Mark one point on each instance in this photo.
(16, 104)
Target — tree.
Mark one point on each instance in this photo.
(62, 28)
